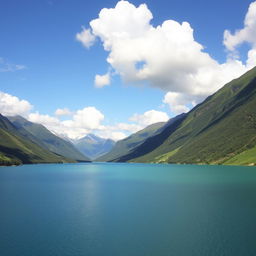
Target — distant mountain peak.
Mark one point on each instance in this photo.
(93, 145)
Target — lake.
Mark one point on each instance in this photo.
(99, 209)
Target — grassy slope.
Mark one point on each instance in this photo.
(147, 147)
(16, 149)
(247, 157)
(44, 138)
(223, 126)
(124, 146)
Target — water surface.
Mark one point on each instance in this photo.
(127, 210)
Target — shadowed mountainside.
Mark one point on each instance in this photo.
(124, 146)
(221, 130)
(46, 139)
(15, 148)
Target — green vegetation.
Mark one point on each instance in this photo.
(221, 130)
(45, 139)
(124, 146)
(19, 147)
(247, 157)
(214, 132)
(4, 160)
(164, 158)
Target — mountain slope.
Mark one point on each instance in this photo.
(215, 131)
(17, 149)
(124, 146)
(154, 141)
(44, 138)
(94, 146)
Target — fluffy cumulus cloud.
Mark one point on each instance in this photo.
(111, 134)
(251, 61)
(177, 101)
(12, 105)
(129, 127)
(101, 81)
(166, 56)
(89, 120)
(83, 121)
(86, 37)
(43, 119)
(79, 122)
(63, 112)
(246, 34)
(136, 122)
(149, 117)
(116, 136)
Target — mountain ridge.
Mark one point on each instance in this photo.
(17, 149)
(128, 143)
(46, 139)
(93, 146)
(212, 132)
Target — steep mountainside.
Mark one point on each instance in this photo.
(94, 146)
(46, 139)
(124, 146)
(16, 148)
(221, 130)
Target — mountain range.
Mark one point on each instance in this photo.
(220, 130)
(93, 146)
(124, 146)
(22, 141)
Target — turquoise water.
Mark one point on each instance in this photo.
(127, 210)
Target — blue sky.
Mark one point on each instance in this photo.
(42, 62)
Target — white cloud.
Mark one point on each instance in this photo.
(81, 122)
(137, 122)
(101, 81)
(166, 56)
(84, 121)
(178, 102)
(117, 136)
(43, 119)
(149, 117)
(251, 61)
(12, 105)
(63, 112)
(131, 128)
(86, 37)
(244, 35)
(109, 134)
(122, 22)
(88, 118)
(247, 34)
(6, 66)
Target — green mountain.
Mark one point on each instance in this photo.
(221, 130)
(46, 139)
(124, 146)
(93, 146)
(15, 148)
